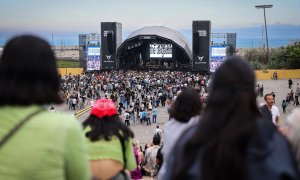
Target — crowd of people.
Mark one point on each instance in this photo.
(215, 129)
(293, 97)
(136, 94)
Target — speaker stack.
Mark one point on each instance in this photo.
(111, 39)
(201, 46)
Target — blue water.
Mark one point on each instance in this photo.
(257, 42)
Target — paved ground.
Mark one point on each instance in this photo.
(280, 88)
(145, 133)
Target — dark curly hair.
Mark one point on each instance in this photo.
(186, 105)
(106, 127)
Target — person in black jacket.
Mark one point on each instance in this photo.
(290, 83)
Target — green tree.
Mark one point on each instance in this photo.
(257, 57)
(293, 56)
(279, 58)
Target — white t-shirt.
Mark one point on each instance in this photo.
(74, 101)
(139, 87)
(157, 131)
(275, 113)
(92, 102)
(126, 116)
(149, 106)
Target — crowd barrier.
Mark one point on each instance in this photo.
(82, 111)
(67, 71)
(260, 74)
(281, 74)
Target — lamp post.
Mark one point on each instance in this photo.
(52, 42)
(267, 41)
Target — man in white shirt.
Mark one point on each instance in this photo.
(269, 109)
(157, 131)
(126, 116)
(275, 115)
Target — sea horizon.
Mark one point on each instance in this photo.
(241, 42)
(252, 37)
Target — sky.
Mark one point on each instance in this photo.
(84, 16)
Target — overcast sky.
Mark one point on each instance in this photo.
(86, 15)
(68, 18)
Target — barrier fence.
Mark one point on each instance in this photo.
(67, 71)
(281, 74)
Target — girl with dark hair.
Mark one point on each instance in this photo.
(36, 144)
(184, 113)
(109, 142)
(232, 140)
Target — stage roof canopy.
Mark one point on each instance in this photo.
(166, 33)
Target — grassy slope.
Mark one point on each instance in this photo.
(67, 63)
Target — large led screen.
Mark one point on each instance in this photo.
(93, 51)
(218, 51)
(160, 50)
(218, 55)
(93, 65)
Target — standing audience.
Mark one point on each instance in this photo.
(232, 140)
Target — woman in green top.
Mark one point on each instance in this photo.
(48, 145)
(109, 142)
